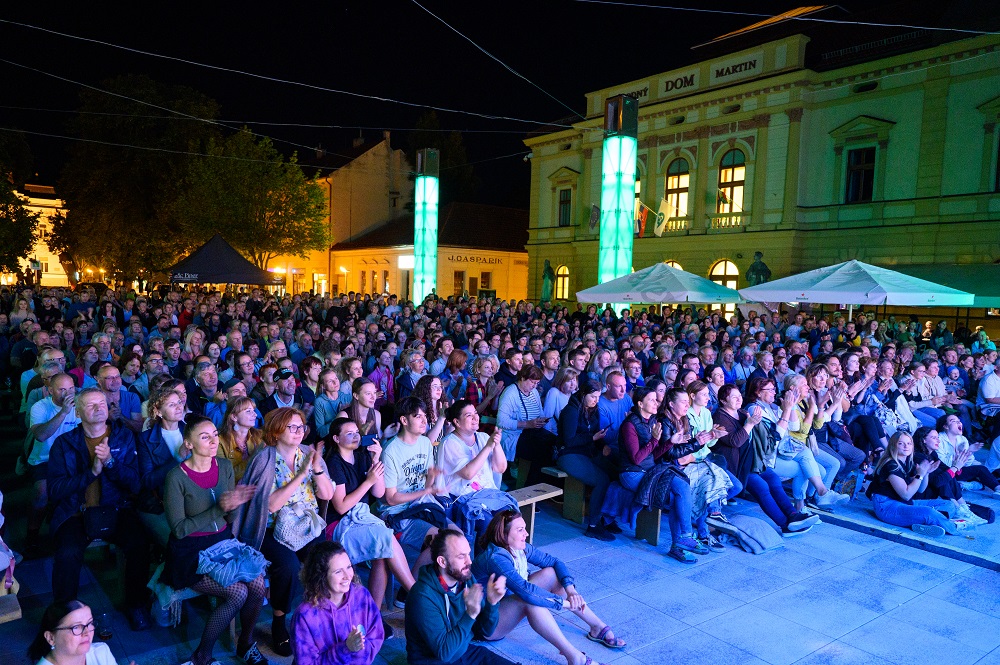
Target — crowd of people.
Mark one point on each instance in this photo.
(278, 449)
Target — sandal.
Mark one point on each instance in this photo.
(602, 637)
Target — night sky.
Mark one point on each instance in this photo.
(391, 49)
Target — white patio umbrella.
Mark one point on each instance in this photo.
(857, 283)
(659, 283)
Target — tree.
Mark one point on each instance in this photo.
(17, 228)
(118, 197)
(457, 181)
(262, 205)
(15, 158)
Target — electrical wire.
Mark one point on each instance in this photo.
(267, 123)
(813, 19)
(498, 60)
(272, 79)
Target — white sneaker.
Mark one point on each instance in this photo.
(831, 498)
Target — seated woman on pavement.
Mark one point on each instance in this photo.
(749, 451)
(358, 476)
(287, 474)
(809, 413)
(199, 497)
(801, 467)
(507, 552)
(338, 620)
(160, 449)
(974, 475)
(898, 479)
(581, 455)
(472, 462)
(361, 408)
(700, 418)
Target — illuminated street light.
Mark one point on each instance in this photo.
(425, 225)
(618, 171)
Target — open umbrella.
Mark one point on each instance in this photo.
(658, 284)
(857, 283)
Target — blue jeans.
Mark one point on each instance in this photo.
(679, 515)
(928, 415)
(766, 488)
(923, 511)
(733, 492)
(587, 472)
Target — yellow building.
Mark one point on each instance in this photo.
(480, 252)
(809, 144)
(48, 271)
(365, 187)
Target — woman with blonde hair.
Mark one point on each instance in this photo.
(239, 439)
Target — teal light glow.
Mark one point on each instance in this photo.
(617, 207)
(425, 237)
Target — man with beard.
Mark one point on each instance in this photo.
(445, 611)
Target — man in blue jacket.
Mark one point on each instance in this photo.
(444, 609)
(94, 466)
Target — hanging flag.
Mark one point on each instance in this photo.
(595, 217)
(661, 218)
(723, 198)
(641, 219)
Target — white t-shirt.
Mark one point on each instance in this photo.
(41, 412)
(99, 654)
(174, 439)
(406, 467)
(454, 454)
(989, 387)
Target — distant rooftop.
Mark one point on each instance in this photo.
(470, 225)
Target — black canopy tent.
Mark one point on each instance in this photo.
(216, 262)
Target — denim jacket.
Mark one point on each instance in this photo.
(496, 560)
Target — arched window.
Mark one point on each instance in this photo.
(562, 283)
(725, 273)
(676, 191)
(674, 264)
(732, 178)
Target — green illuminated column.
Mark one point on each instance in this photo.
(618, 188)
(425, 225)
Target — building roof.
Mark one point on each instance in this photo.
(327, 160)
(470, 225)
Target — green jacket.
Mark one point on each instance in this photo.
(438, 630)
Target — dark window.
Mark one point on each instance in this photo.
(565, 207)
(860, 175)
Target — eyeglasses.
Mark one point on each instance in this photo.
(79, 629)
(295, 429)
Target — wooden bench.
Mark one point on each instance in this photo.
(527, 497)
(574, 498)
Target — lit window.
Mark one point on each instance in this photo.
(562, 283)
(638, 194)
(732, 178)
(725, 273)
(565, 207)
(674, 264)
(676, 192)
(860, 175)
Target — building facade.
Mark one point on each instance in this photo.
(809, 151)
(365, 187)
(42, 262)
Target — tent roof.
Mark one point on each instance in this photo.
(659, 283)
(858, 283)
(983, 279)
(216, 262)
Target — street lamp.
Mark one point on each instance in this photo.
(621, 124)
(425, 225)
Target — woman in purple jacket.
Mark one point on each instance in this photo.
(337, 622)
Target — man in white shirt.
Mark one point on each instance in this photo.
(48, 419)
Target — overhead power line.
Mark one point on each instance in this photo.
(273, 79)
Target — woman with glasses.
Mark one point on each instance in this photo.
(239, 437)
(506, 551)
(66, 637)
(286, 472)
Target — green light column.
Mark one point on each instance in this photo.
(618, 171)
(425, 225)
